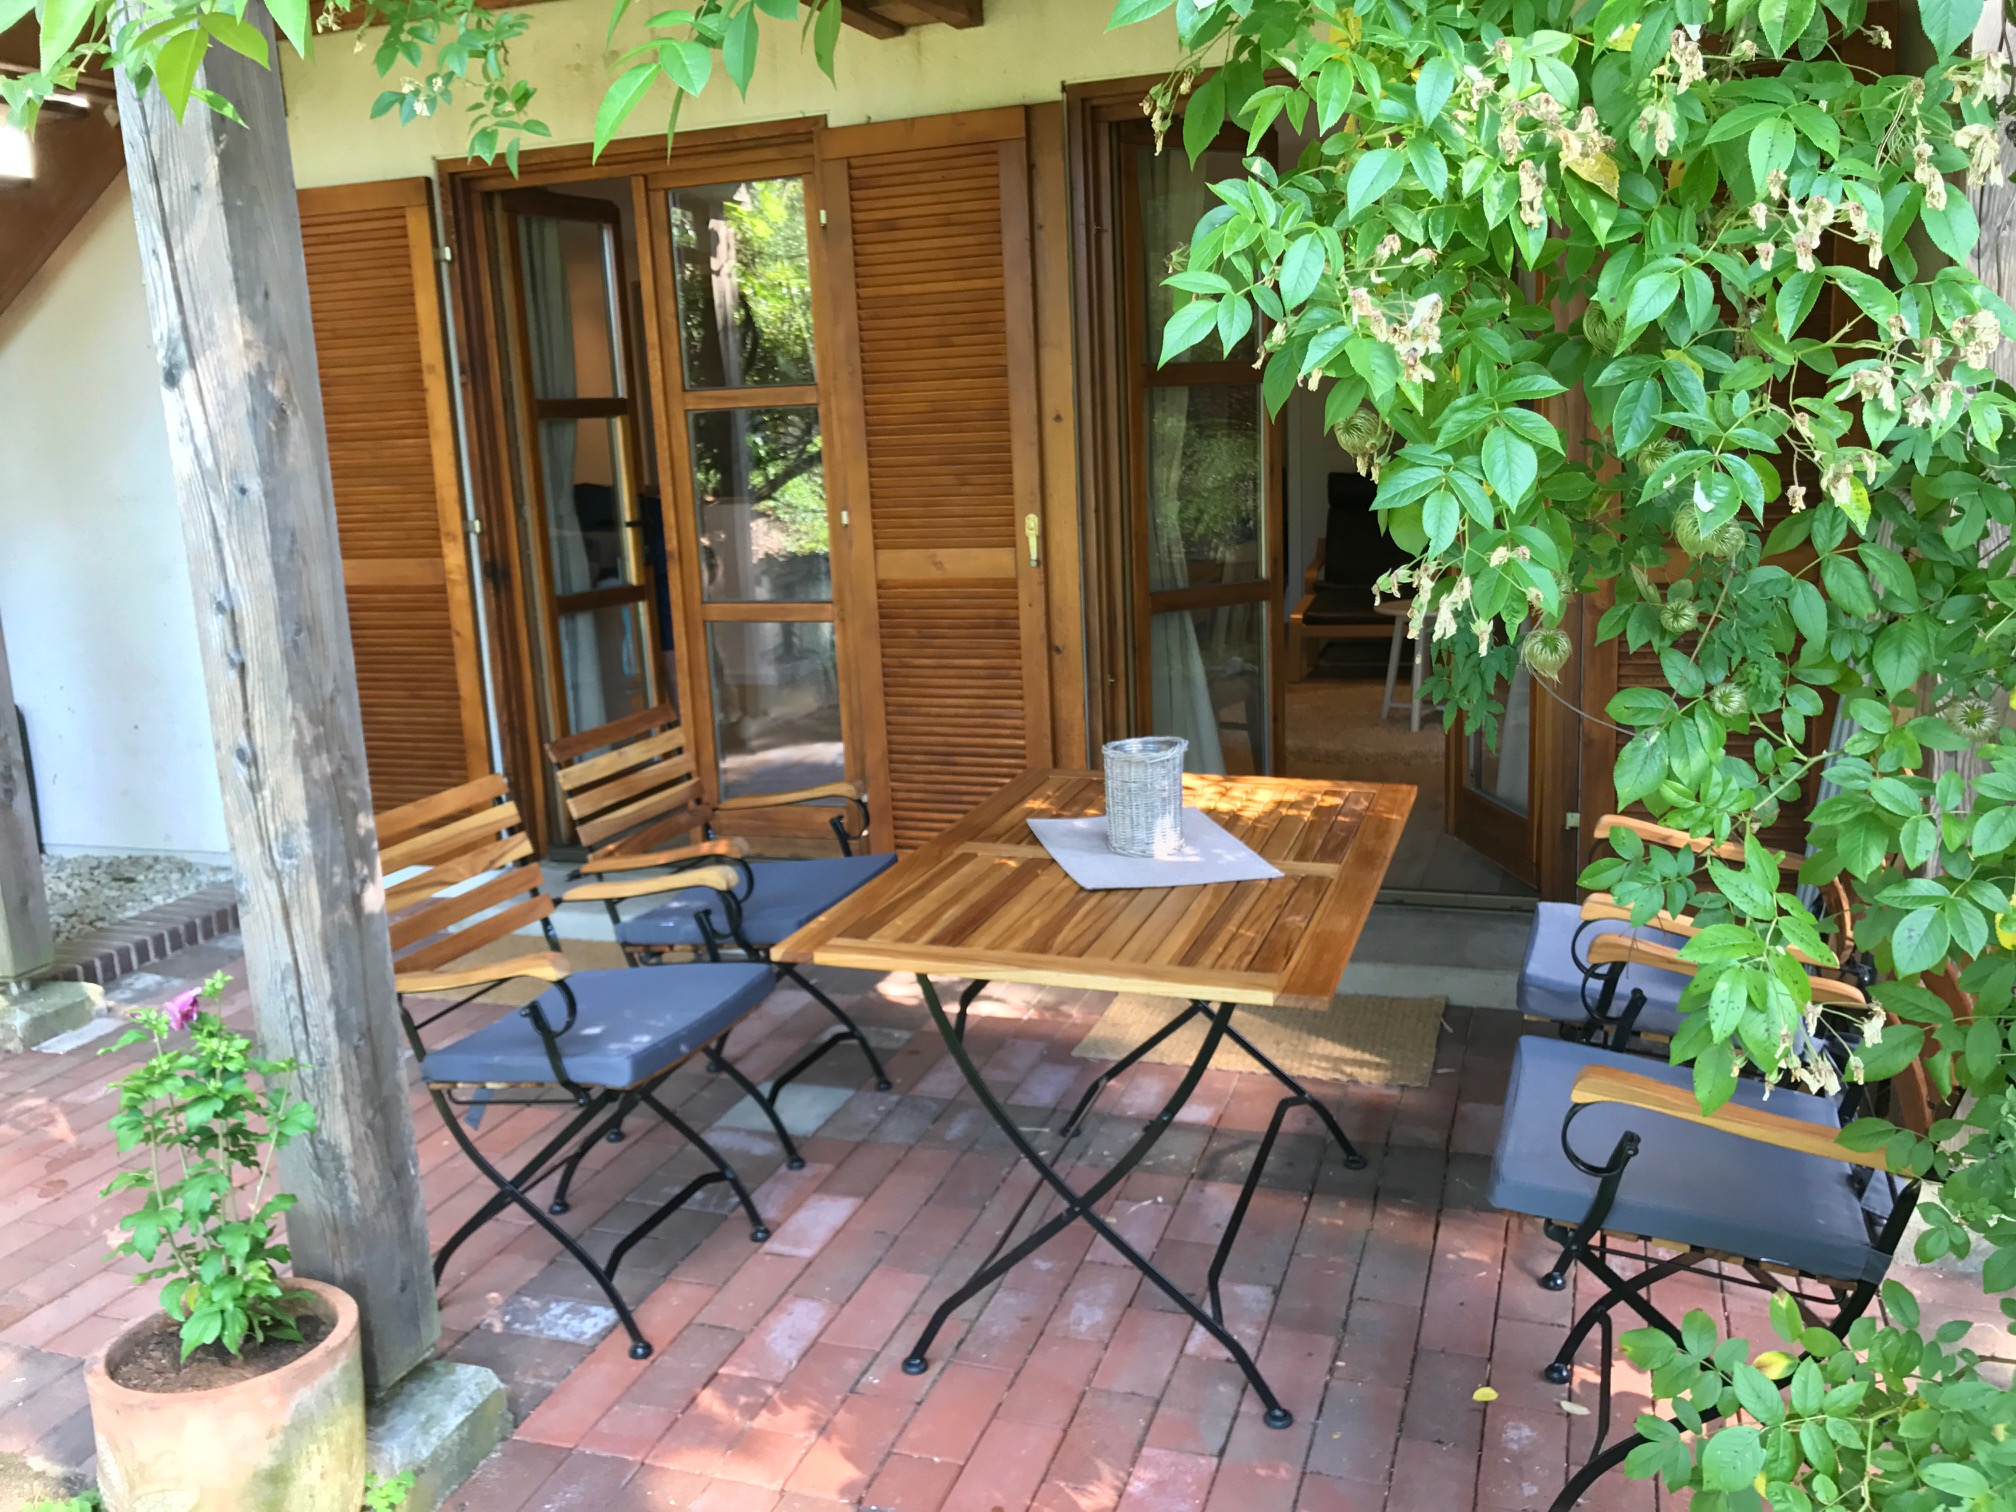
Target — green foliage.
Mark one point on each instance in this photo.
(205, 1226)
(440, 50)
(382, 1495)
(1794, 509)
(88, 1501)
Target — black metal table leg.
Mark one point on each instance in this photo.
(1079, 1205)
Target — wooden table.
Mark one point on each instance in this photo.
(984, 901)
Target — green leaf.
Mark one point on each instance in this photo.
(245, 40)
(1902, 651)
(1510, 466)
(1371, 176)
(1956, 1479)
(1127, 12)
(619, 100)
(1731, 1459)
(1953, 228)
(176, 64)
(1809, 611)
(1994, 831)
(290, 16)
(1649, 297)
(63, 22)
(1636, 414)
(1432, 89)
(1948, 23)
(1771, 147)
(1188, 326)
(1920, 941)
(1641, 767)
(738, 48)
(689, 64)
(1301, 270)
(826, 35)
(1204, 115)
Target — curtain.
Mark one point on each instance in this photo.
(549, 335)
(1173, 200)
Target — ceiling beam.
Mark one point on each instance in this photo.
(857, 15)
(959, 13)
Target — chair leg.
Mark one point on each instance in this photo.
(1420, 664)
(848, 1030)
(1392, 666)
(758, 1230)
(733, 1072)
(1628, 1293)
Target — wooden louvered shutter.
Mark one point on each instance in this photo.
(392, 457)
(936, 417)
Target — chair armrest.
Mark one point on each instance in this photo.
(853, 792)
(1601, 905)
(1613, 1084)
(1295, 615)
(714, 878)
(544, 967)
(1678, 839)
(1608, 948)
(1315, 567)
(646, 860)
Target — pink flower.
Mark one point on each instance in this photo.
(181, 1010)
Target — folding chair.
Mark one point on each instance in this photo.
(1602, 1148)
(629, 788)
(460, 876)
(1606, 981)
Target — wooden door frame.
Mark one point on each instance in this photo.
(474, 284)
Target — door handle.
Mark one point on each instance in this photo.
(1032, 527)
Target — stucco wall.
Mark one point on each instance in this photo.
(94, 592)
(1027, 51)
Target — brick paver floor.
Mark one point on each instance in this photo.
(1379, 1300)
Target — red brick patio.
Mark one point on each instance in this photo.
(1382, 1298)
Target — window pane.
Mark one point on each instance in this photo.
(583, 464)
(1502, 775)
(762, 493)
(744, 283)
(776, 706)
(1174, 197)
(1204, 470)
(602, 663)
(569, 317)
(1210, 685)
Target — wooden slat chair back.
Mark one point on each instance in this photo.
(630, 786)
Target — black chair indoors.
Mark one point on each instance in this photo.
(629, 789)
(1353, 554)
(460, 877)
(1602, 1147)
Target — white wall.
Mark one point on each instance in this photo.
(1027, 51)
(94, 591)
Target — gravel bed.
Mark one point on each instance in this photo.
(89, 892)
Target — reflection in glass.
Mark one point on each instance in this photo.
(776, 706)
(1174, 197)
(744, 283)
(569, 277)
(602, 665)
(762, 493)
(582, 461)
(1503, 775)
(1204, 461)
(1209, 685)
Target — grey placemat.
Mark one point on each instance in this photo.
(1209, 855)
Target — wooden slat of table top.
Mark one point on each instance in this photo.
(985, 900)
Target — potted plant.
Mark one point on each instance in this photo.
(245, 1393)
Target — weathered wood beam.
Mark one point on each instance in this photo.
(227, 293)
(25, 942)
(959, 13)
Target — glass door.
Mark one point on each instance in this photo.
(1491, 790)
(1205, 487)
(583, 532)
(742, 429)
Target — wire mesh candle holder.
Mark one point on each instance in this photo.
(1144, 795)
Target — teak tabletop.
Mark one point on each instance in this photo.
(984, 900)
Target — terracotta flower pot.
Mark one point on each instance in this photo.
(291, 1440)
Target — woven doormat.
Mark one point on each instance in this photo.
(1389, 1040)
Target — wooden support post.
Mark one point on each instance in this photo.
(227, 290)
(25, 943)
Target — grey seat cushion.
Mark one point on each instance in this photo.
(1688, 1185)
(1551, 981)
(632, 1025)
(786, 896)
